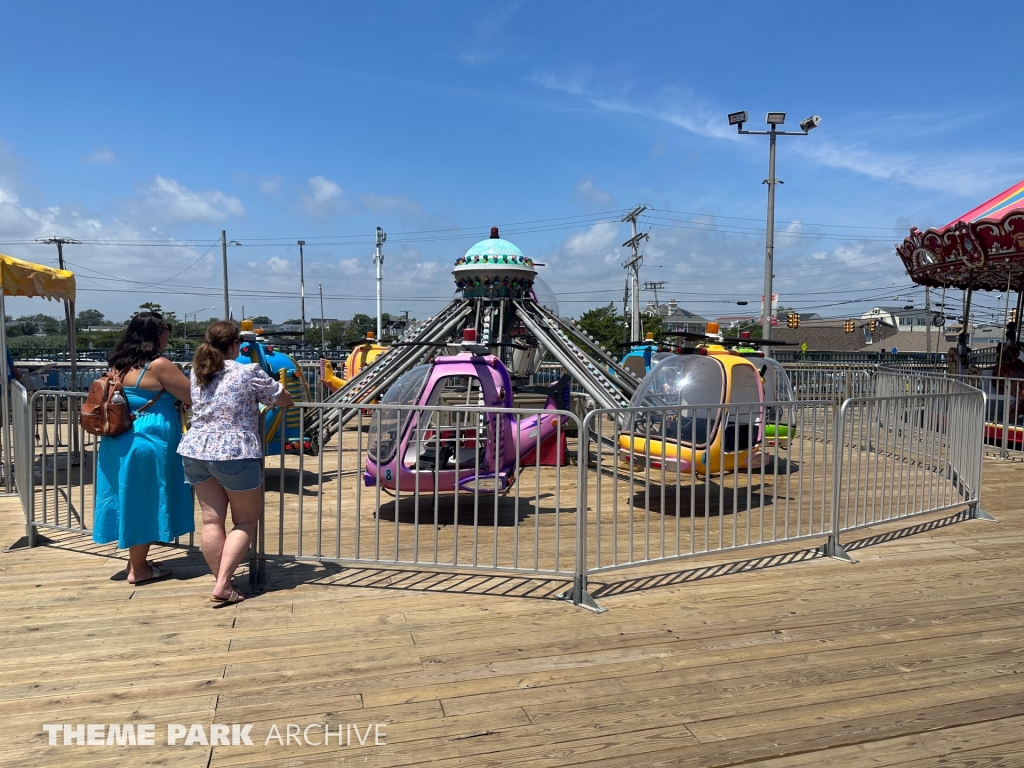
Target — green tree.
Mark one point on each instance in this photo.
(151, 306)
(358, 327)
(89, 317)
(605, 326)
(45, 322)
(261, 320)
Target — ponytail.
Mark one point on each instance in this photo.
(209, 358)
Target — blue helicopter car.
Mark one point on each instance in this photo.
(279, 424)
(641, 357)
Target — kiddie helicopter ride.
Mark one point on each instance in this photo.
(498, 301)
(716, 439)
(669, 431)
(280, 425)
(480, 449)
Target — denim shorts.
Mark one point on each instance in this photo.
(232, 474)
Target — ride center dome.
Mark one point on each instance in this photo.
(494, 268)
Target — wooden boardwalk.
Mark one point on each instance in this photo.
(912, 657)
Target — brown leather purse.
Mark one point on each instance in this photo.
(105, 411)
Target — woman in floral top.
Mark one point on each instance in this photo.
(222, 450)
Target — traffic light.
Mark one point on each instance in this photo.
(793, 320)
(849, 327)
(872, 325)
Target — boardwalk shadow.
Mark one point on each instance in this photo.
(444, 513)
(701, 498)
(311, 480)
(653, 581)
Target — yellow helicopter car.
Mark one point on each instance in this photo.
(665, 429)
(360, 357)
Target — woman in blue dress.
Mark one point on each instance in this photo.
(141, 494)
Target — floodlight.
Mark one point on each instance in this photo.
(810, 122)
(775, 118)
(737, 118)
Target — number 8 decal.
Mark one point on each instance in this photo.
(387, 475)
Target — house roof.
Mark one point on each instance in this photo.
(829, 335)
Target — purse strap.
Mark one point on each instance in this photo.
(119, 379)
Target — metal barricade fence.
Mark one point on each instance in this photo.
(514, 512)
(903, 455)
(21, 441)
(459, 488)
(669, 483)
(60, 469)
(829, 382)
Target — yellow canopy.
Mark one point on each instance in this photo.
(23, 278)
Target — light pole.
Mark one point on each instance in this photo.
(302, 289)
(774, 119)
(378, 259)
(323, 337)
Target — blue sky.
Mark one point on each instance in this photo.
(132, 122)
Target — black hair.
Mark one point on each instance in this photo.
(140, 343)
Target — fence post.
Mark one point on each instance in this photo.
(832, 548)
(976, 509)
(579, 594)
(257, 552)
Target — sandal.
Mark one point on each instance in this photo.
(157, 572)
(234, 597)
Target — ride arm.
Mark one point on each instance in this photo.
(328, 377)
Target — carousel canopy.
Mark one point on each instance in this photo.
(23, 278)
(983, 249)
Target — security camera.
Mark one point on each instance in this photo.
(810, 122)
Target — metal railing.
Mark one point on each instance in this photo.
(669, 483)
(650, 485)
(828, 382)
(512, 513)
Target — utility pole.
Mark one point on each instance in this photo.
(633, 265)
(323, 338)
(69, 306)
(302, 290)
(625, 310)
(224, 260)
(378, 259)
(655, 286)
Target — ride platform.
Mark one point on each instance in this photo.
(779, 658)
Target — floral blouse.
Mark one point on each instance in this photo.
(225, 416)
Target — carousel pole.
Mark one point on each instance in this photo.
(964, 346)
(1016, 315)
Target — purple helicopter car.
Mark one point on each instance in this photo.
(441, 427)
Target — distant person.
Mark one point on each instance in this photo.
(141, 494)
(222, 450)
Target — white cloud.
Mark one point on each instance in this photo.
(270, 184)
(279, 266)
(590, 192)
(385, 203)
(481, 47)
(323, 198)
(967, 174)
(599, 240)
(167, 201)
(668, 106)
(101, 156)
